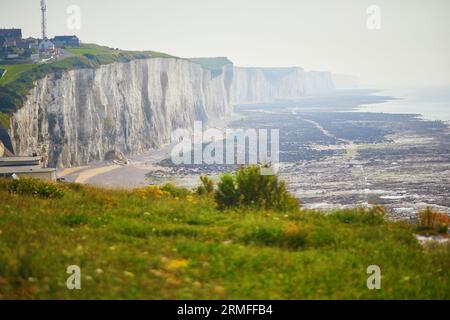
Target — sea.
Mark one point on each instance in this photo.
(429, 103)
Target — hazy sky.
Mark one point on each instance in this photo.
(412, 48)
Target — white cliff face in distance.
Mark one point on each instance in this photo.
(78, 116)
(255, 85)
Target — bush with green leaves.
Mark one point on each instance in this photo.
(248, 188)
(175, 191)
(35, 188)
(207, 186)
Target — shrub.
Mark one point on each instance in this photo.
(207, 186)
(227, 195)
(151, 192)
(249, 188)
(370, 216)
(431, 220)
(36, 188)
(175, 191)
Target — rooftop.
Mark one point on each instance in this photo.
(65, 37)
(19, 161)
(24, 169)
(15, 33)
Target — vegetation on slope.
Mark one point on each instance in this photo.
(215, 65)
(4, 121)
(13, 71)
(20, 79)
(248, 188)
(14, 91)
(105, 55)
(169, 243)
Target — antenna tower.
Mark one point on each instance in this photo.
(44, 19)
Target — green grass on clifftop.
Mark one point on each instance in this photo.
(13, 72)
(211, 63)
(20, 78)
(215, 65)
(106, 55)
(132, 245)
(20, 81)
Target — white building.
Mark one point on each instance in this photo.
(47, 49)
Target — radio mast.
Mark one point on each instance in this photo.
(44, 19)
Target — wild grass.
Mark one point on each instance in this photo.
(97, 50)
(14, 71)
(134, 245)
(433, 222)
(14, 92)
(4, 121)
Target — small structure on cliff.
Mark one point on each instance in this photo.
(10, 36)
(25, 167)
(66, 41)
(47, 49)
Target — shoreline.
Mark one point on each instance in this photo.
(354, 159)
(140, 165)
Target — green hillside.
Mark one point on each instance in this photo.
(215, 65)
(156, 244)
(212, 63)
(13, 72)
(20, 78)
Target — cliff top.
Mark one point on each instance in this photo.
(19, 79)
(215, 65)
(212, 63)
(106, 55)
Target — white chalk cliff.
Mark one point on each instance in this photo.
(254, 85)
(76, 117)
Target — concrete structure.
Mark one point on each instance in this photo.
(46, 45)
(25, 167)
(29, 43)
(34, 58)
(47, 49)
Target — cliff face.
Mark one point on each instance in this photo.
(78, 116)
(254, 85)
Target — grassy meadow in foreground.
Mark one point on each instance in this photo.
(151, 245)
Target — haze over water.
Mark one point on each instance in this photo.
(430, 103)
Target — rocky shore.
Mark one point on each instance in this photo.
(336, 157)
(331, 156)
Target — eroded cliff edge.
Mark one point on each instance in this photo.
(76, 117)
